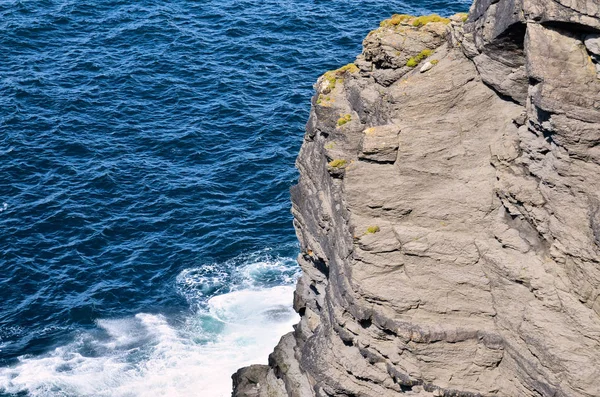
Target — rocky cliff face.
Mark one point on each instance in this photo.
(448, 211)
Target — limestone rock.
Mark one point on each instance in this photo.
(456, 252)
(257, 381)
(380, 144)
(426, 67)
(592, 43)
(389, 48)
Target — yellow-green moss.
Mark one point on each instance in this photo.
(337, 163)
(372, 229)
(344, 119)
(395, 20)
(350, 68)
(414, 61)
(337, 76)
(435, 62)
(330, 145)
(463, 16)
(324, 100)
(332, 78)
(405, 19)
(425, 19)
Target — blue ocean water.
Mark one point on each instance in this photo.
(146, 153)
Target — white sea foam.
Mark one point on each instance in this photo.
(3, 207)
(148, 355)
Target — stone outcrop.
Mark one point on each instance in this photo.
(449, 215)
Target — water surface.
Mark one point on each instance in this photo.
(146, 153)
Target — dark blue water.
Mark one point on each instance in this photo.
(146, 152)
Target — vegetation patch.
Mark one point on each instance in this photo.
(463, 16)
(337, 163)
(332, 79)
(337, 76)
(330, 145)
(414, 61)
(350, 68)
(344, 119)
(396, 20)
(324, 100)
(372, 230)
(434, 62)
(424, 20)
(399, 19)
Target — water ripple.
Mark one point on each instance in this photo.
(140, 139)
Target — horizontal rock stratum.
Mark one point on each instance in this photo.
(448, 212)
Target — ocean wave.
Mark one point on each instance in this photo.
(256, 270)
(155, 355)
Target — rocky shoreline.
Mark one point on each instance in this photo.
(448, 212)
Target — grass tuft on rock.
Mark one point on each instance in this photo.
(332, 80)
(337, 163)
(425, 19)
(395, 20)
(463, 16)
(333, 77)
(414, 61)
(404, 19)
(324, 100)
(344, 119)
(372, 230)
(350, 68)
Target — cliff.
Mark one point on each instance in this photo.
(448, 212)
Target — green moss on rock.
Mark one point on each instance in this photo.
(337, 163)
(396, 20)
(344, 119)
(404, 19)
(414, 61)
(425, 19)
(372, 230)
(324, 100)
(333, 77)
(350, 68)
(463, 16)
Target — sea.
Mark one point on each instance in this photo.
(147, 149)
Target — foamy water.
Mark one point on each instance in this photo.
(152, 355)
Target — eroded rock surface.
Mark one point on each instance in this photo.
(449, 219)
